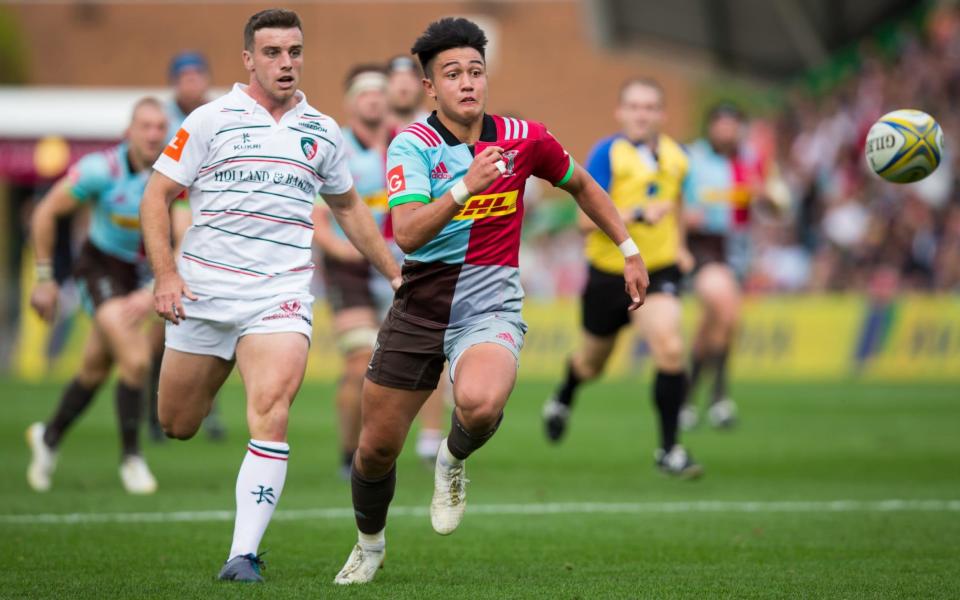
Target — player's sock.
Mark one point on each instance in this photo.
(720, 378)
(462, 443)
(669, 391)
(129, 411)
(76, 398)
(259, 484)
(698, 362)
(569, 387)
(371, 499)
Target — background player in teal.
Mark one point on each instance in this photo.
(355, 298)
(456, 183)
(111, 272)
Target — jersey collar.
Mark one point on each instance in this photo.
(240, 93)
(487, 134)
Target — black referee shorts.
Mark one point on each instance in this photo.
(605, 304)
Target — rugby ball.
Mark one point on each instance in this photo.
(904, 146)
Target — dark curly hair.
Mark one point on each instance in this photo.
(447, 33)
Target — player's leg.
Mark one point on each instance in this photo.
(188, 384)
(431, 422)
(356, 332)
(585, 364)
(405, 368)
(44, 438)
(130, 348)
(716, 286)
(272, 367)
(387, 415)
(604, 311)
(659, 321)
(153, 385)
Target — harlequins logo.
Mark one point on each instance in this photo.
(264, 495)
(309, 147)
(510, 156)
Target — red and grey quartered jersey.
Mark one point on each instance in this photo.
(469, 271)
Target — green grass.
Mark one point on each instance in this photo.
(841, 441)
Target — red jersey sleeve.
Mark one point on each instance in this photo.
(553, 163)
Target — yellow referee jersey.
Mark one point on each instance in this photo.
(635, 176)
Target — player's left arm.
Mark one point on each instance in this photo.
(598, 206)
(356, 220)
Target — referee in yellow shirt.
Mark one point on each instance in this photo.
(643, 171)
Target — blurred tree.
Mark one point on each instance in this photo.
(13, 60)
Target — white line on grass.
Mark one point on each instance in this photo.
(558, 508)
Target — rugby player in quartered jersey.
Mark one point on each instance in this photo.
(111, 273)
(254, 161)
(456, 185)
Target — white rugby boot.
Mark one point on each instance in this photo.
(361, 565)
(43, 459)
(449, 494)
(136, 476)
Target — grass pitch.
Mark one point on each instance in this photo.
(587, 519)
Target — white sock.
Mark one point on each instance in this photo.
(428, 442)
(375, 542)
(445, 457)
(259, 485)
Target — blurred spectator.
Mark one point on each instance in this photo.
(190, 78)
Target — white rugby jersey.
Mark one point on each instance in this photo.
(253, 183)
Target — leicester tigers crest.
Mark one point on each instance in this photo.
(309, 147)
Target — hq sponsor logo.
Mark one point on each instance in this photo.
(245, 144)
(488, 205)
(175, 148)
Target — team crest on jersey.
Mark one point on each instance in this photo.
(510, 157)
(309, 147)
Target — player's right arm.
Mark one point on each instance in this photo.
(174, 172)
(168, 286)
(328, 241)
(58, 202)
(417, 219)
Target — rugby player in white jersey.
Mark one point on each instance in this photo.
(254, 160)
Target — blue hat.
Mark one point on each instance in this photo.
(187, 60)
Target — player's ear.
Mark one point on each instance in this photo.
(248, 60)
(428, 88)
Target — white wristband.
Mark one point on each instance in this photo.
(629, 248)
(44, 272)
(460, 193)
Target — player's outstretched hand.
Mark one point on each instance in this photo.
(168, 289)
(44, 299)
(483, 170)
(636, 280)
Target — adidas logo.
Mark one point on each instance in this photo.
(440, 172)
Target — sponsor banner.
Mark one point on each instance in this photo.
(917, 338)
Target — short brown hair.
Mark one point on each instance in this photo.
(280, 18)
(646, 82)
(146, 101)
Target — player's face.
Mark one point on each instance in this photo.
(276, 61)
(724, 133)
(147, 134)
(404, 91)
(370, 107)
(640, 112)
(459, 84)
(191, 86)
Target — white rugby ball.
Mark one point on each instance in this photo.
(904, 146)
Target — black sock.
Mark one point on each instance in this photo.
(697, 365)
(153, 390)
(720, 380)
(346, 457)
(669, 390)
(462, 443)
(371, 499)
(129, 412)
(73, 402)
(566, 391)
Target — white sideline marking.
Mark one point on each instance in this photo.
(558, 508)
